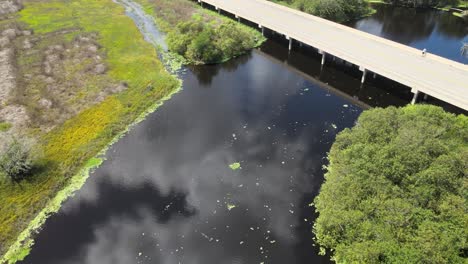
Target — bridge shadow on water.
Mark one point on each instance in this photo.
(341, 77)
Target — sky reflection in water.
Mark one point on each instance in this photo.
(439, 32)
(166, 193)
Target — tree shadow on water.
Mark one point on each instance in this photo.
(206, 73)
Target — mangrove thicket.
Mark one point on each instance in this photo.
(395, 190)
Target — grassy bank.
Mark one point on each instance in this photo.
(199, 35)
(70, 146)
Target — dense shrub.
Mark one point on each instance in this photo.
(202, 42)
(16, 161)
(395, 190)
(336, 10)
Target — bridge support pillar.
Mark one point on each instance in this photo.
(238, 18)
(263, 29)
(323, 56)
(290, 43)
(364, 73)
(219, 10)
(415, 96)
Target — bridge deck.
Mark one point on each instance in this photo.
(433, 75)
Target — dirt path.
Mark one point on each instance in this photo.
(7, 78)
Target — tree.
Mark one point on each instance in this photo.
(423, 3)
(16, 161)
(395, 190)
(336, 10)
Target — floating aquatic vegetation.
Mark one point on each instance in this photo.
(235, 166)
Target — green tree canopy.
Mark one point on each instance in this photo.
(395, 190)
(336, 10)
(202, 42)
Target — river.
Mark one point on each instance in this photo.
(166, 193)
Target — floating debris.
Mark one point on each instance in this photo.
(207, 237)
(273, 241)
(230, 206)
(139, 254)
(345, 105)
(235, 166)
(242, 242)
(334, 126)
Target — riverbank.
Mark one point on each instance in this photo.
(337, 11)
(199, 35)
(85, 74)
(459, 9)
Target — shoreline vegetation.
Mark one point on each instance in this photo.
(344, 11)
(395, 189)
(336, 10)
(457, 8)
(80, 74)
(198, 35)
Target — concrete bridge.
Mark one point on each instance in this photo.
(438, 77)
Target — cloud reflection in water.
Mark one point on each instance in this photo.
(165, 192)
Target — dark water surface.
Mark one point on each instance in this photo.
(166, 193)
(439, 32)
